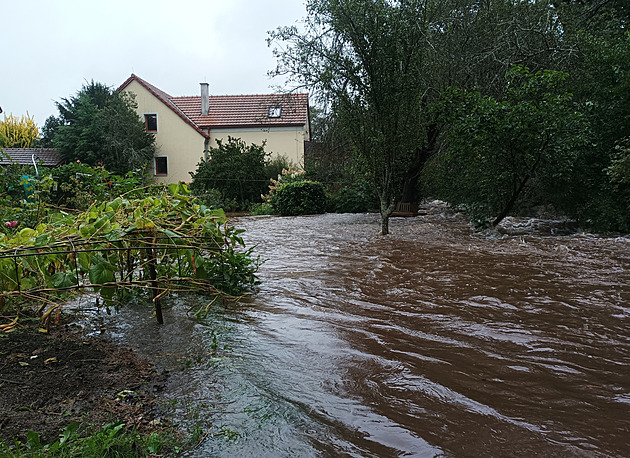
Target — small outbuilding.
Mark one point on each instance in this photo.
(47, 157)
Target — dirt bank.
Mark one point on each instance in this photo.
(49, 380)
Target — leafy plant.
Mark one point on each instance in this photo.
(79, 185)
(112, 440)
(299, 198)
(162, 241)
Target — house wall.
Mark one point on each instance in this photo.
(280, 141)
(175, 139)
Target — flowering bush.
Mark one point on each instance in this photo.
(289, 175)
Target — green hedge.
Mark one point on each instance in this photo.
(299, 198)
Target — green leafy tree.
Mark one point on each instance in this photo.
(364, 60)
(100, 125)
(501, 151)
(602, 85)
(380, 66)
(235, 169)
(51, 125)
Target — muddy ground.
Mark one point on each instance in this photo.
(49, 380)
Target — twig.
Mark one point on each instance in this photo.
(203, 438)
(11, 381)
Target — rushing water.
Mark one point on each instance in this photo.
(429, 342)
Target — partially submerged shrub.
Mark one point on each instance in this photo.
(299, 198)
(288, 175)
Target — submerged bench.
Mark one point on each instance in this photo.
(406, 209)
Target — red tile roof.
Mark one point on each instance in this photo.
(233, 110)
(24, 156)
(246, 110)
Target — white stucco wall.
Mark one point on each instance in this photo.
(175, 139)
(183, 146)
(280, 141)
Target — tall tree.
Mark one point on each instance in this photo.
(501, 151)
(364, 59)
(600, 79)
(380, 65)
(51, 125)
(99, 124)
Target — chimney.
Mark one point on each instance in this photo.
(205, 98)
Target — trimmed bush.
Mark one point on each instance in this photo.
(299, 198)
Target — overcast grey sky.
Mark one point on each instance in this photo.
(49, 48)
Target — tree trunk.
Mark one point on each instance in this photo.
(421, 156)
(384, 224)
(508, 207)
(386, 210)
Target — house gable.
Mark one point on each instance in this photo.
(280, 121)
(144, 90)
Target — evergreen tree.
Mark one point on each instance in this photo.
(99, 124)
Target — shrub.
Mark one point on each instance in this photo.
(261, 209)
(351, 200)
(79, 185)
(289, 175)
(213, 198)
(299, 198)
(236, 169)
(274, 167)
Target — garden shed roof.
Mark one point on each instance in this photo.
(24, 156)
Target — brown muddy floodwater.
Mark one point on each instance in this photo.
(429, 342)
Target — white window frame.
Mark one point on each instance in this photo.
(155, 172)
(275, 112)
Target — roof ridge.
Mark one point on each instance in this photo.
(227, 111)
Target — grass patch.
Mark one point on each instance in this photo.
(112, 440)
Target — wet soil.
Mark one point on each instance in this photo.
(50, 380)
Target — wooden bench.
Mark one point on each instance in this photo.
(406, 209)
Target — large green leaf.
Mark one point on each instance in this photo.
(63, 279)
(101, 273)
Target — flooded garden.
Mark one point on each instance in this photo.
(433, 341)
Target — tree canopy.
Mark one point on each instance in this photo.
(381, 70)
(501, 151)
(380, 66)
(100, 125)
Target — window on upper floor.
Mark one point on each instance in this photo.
(150, 122)
(160, 165)
(275, 112)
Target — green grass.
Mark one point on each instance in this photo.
(112, 440)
